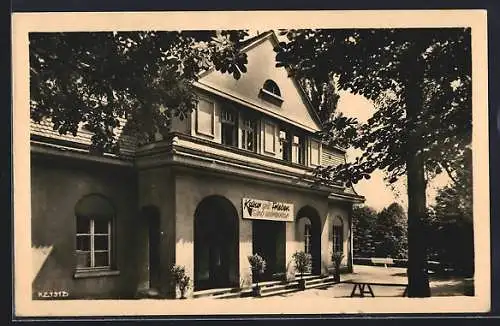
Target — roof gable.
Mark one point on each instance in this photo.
(294, 107)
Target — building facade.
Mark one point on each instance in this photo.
(232, 179)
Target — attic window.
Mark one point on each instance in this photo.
(271, 92)
(272, 87)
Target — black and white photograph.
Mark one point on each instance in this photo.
(209, 163)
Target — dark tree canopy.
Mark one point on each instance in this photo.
(143, 77)
(390, 67)
(364, 220)
(390, 233)
(420, 83)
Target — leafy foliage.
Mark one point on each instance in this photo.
(364, 222)
(100, 79)
(426, 71)
(420, 83)
(302, 261)
(450, 223)
(391, 233)
(180, 278)
(382, 234)
(258, 265)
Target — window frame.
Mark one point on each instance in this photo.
(105, 214)
(226, 122)
(338, 235)
(273, 127)
(307, 238)
(318, 143)
(271, 87)
(201, 132)
(245, 129)
(300, 148)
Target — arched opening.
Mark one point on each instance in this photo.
(308, 232)
(216, 249)
(338, 235)
(272, 87)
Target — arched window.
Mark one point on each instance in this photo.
(272, 87)
(338, 235)
(94, 232)
(307, 237)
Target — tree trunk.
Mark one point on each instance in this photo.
(418, 278)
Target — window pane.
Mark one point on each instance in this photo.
(205, 116)
(101, 226)
(82, 225)
(82, 259)
(83, 242)
(228, 134)
(314, 153)
(101, 259)
(269, 138)
(101, 242)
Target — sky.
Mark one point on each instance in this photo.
(377, 192)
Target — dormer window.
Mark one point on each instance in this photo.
(271, 92)
(272, 87)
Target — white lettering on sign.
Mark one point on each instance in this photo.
(267, 210)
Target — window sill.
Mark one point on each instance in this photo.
(271, 97)
(91, 273)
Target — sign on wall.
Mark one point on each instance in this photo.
(267, 210)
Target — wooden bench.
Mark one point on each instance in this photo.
(382, 261)
(366, 288)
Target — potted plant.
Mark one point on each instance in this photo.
(181, 280)
(337, 261)
(302, 265)
(258, 266)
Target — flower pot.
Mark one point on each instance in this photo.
(302, 284)
(257, 291)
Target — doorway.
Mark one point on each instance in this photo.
(308, 231)
(151, 215)
(268, 239)
(216, 249)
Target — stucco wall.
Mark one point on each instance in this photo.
(156, 189)
(193, 186)
(341, 211)
(56, 186)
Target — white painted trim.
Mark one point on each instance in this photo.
(197, 129)
(273, 125)
(247, 102)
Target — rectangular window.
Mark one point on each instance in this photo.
(248, 135)
(285, 145)
(298, 150)
(205, 118)
(338, 239)
(269, 138)
(307, 239)
(228, 128)
(93, 243)
(314, 158)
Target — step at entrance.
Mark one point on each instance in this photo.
(269, 288)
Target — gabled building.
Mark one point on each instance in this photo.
(233, 179)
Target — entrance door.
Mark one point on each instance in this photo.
(152, 216)
(269, 243)
(216, 249)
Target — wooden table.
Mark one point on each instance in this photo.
(362, 288)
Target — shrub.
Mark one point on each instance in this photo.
(258, 266)
(180, 279)
(337, 261)
(302, 262)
